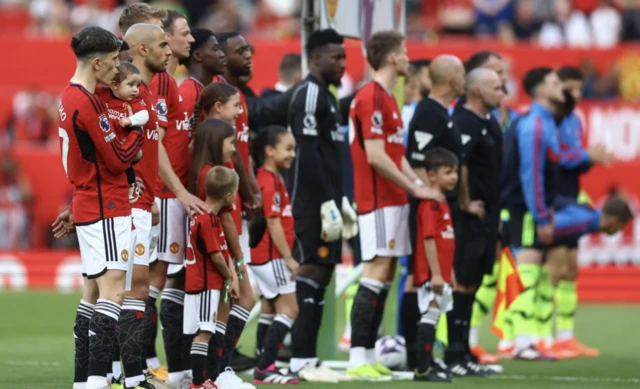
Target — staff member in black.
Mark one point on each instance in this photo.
(314, 183)
(430, 127)
(476, 226)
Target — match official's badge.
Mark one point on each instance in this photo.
(309, 121)
(175, 247)
(124, 255)
(392, 243)
(139, 249)
(323, 252)
(376, 119)
(332, 9)
(104, 123)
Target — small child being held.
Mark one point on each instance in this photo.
(433, 267)
(208, 274)
(126, 110)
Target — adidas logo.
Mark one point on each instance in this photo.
(308, 300)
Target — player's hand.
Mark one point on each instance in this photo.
(240, 267)
(599, 155)
(437, 284)
(331, 221)
(138, 156)
(234, 289)
(251, 210)
(349, 220)
(425, 193)
(545, 233)
(125, 122)
(155, 213)
(293, 265)
(63, 225)
(192, 204)
(476, 207)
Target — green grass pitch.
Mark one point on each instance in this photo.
(36, 349)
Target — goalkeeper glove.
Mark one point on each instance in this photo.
(349, 219)
(331, 221)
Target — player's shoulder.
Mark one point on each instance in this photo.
(308, 97)
(371, 94)
(162, 84)
(78, 97)
(268, 178)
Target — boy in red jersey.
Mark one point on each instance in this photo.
(95, 163)
(272, 263)
(208, 276)
(433, 266)
(382, 178)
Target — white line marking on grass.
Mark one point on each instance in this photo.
(616, 380)
(34, 363)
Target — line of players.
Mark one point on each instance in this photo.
(380, 195)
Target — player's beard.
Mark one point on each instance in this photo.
(155, 67)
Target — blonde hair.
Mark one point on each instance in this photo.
(139, 13)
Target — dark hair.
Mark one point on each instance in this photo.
(617, 207)
(290, 65)
(139, 13)
(223, 37)
(268, 136)
(381, 44)
(94, 40)
(534, 78)
(478, 59)
(211, 94)
(124, 69)
(321, 38)
(200, 36)
(169, 20)
(208, 142)
(439, 157)
(421, 63)
(570, 73)
(220, 181)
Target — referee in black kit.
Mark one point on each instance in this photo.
(476, 222)
(430, 127)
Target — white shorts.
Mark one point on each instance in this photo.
(200, 312)
(273, 279)
(426, 296)
(244, 242)
(173, 270)
(142, 221)
(153, 246)
(385, 232)
(172, 238)
(105, 245)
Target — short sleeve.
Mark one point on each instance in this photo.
(469, 137)
(428, 218)
(370, 114)
(271, 198)
(209, 234)
(424, 134)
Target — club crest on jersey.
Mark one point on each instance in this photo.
(139, 249)
(174, 247)
(104, 123)
(124, 255)
(161, 107)
(376, 119)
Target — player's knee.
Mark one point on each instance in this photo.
(529, 257)
(202, 337)
(247, 299)
(90, 292)
(292, 311)
(377, 269)
(139, 291)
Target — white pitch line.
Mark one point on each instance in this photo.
(616, 380)
(34, 363)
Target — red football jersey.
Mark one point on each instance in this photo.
(374, 114)
(236, 209)
(275, 203)
(242, 127)
(117, 108)
(205, 237)
(434, 221)
(93, 158)
(190, 91)
(177, 134)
